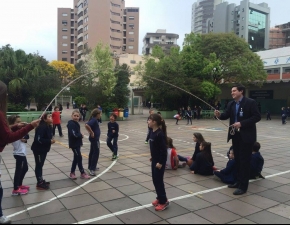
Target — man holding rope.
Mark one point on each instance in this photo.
(244, 114)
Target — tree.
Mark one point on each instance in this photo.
(209, 90)
(27, 76)
(100, 64)
(121, 90)
(65, 69)
(237, 62)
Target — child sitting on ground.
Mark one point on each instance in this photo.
(198, 139)
(229, 174)
(257, 162)
(172, 159)
(204, 163)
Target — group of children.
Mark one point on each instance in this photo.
(43, 140)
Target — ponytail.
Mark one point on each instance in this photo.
(160, 122)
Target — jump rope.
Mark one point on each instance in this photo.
(232, 131)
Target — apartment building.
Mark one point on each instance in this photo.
(202, 10)
(161, 38)
(248, 20)
(280, 36)
(91, 22)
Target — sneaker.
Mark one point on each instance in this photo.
(155, 203)
(92, 173)
(162, 207)
(25, 187)
(47, 183)
(146, 142)
(42, 186)
(115, 157)
(85, 176)
(19, 192)
(61, 136)
(72, 176)
(5, 220)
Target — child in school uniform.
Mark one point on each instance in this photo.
(21, 161)
(113, 134)
(257, 162)
(94, 130)
(229, 174)
(75, 138)
(204, 161)
(158, 148)
(198, 139)
(57, 121)
(151, 112)
(172, 158)
(41, 146)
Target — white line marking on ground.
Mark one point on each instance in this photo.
(103, 142)
(64, 194)
(171, 200)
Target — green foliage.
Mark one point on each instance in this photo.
(200, 67)
(209, 90)
(121, 90)
(80, 100)
(27, 76)
(109, 107)
(16, 108)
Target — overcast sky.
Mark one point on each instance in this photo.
(31, 25)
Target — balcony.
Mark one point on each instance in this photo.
(80, 18)
(80, 44)
(80, 52)
(80, 27)
(80, 35)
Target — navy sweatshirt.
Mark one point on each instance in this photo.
(202, 165)
(158, 147)
(113, 126)
(257, 164)
(230, 172)
(197, 150)
(42, 139)
(75, 138)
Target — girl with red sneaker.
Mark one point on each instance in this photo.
(158, 148)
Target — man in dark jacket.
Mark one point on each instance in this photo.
(243, 114)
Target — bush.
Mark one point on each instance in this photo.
(16, 108)
(108, 107)
(80, 100)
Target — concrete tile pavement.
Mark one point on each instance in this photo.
(128, 183)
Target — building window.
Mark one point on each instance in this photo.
(132, 10)
(131, 47)
(64, 59)
(64, 30)
(131, 17)
(64, 37)
(64, 44)
(64, 52)
(64, 14)
(116, 5)
(131, 39)
(131, 32)
(131, 26)
(133, 62)
(64, 22)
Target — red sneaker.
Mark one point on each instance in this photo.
(24, 187)
(161, 207)
(19, 192)
(155, 203)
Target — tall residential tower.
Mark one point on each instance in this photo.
(247, 20)
(202, 10)
(91, 22)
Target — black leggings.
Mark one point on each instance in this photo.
(78, 160)
(20, 171)
(39, 163)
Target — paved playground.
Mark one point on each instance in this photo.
(123, 190)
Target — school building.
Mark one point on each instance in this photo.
(275, 93)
